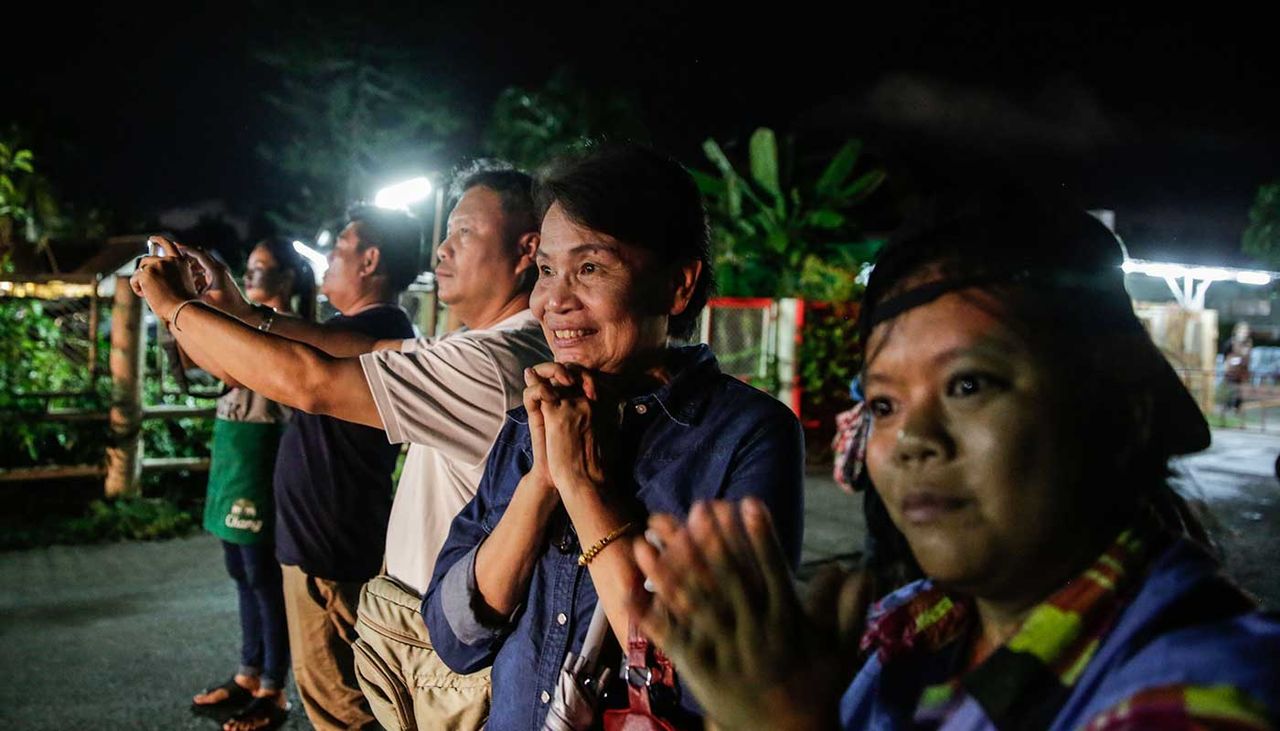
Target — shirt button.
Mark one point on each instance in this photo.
(561, 618)
(641, 409)
(546, 697)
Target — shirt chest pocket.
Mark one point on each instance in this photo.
(671, 481)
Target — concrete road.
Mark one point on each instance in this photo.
(116, 636)
(1236, 480)
(120, 636)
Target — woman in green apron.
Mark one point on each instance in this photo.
(239, 509)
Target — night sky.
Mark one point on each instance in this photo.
(1171, 120)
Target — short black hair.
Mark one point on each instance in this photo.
(639, 197)
(398, 237)
(513, 186)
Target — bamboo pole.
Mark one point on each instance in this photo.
(175, 464)
(95, 313)
(165, 412)
(65, 472)
(124, 456)
(52, 472)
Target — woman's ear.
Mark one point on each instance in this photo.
(684, 282)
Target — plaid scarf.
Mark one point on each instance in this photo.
(1025, 681)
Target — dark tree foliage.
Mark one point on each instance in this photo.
(1262, 237)
(531, 125)
(353, 116)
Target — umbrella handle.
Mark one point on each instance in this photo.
(595, 634)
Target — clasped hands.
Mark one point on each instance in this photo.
(561, 401)
(178, 273)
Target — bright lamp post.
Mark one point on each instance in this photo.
(403, 196)
(319, 262)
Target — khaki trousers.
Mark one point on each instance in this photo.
(408, 687)
(322, 615)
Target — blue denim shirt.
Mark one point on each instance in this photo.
(704, 435)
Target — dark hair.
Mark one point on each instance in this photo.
(398, 238)
(304, 281)
(639, 197)
(514, 186)
(515, 189)
(1056, 273)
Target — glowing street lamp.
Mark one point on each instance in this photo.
(319, 262)
(404, 195)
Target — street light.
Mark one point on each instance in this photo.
(403, 195)
(319, 263)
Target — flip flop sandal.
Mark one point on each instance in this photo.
(262, 714)
(236, 698)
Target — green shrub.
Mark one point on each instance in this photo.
(130, 519)
(125, 519)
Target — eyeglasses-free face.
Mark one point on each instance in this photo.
(975, 450)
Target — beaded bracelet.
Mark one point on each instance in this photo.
(600, 545)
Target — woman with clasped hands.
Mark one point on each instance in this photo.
(621, 425)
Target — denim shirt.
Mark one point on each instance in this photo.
(704, 435)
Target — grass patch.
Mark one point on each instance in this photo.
(1225, 421)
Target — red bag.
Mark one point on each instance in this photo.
(645, 667)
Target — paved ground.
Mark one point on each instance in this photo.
(120, 636)
(1236, 479)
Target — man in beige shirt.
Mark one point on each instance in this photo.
(447, 397)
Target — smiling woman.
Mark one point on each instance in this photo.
(1022, 423)
(622, 424)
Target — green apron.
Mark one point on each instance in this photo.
(239, 507)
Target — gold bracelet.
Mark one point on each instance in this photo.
(600, 545)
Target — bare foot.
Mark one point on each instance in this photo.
(218, 695)
(255, 716)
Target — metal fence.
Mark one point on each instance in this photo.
(755, 339)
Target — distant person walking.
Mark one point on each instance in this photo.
(240, 510)
(1236, 356)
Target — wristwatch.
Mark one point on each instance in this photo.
(268, 317)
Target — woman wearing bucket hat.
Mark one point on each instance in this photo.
(1022, 423)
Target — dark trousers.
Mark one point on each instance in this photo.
(264, 637)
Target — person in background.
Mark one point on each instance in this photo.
(1236, 356)
(332, 477)
(1022, 425)
(240, 509)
